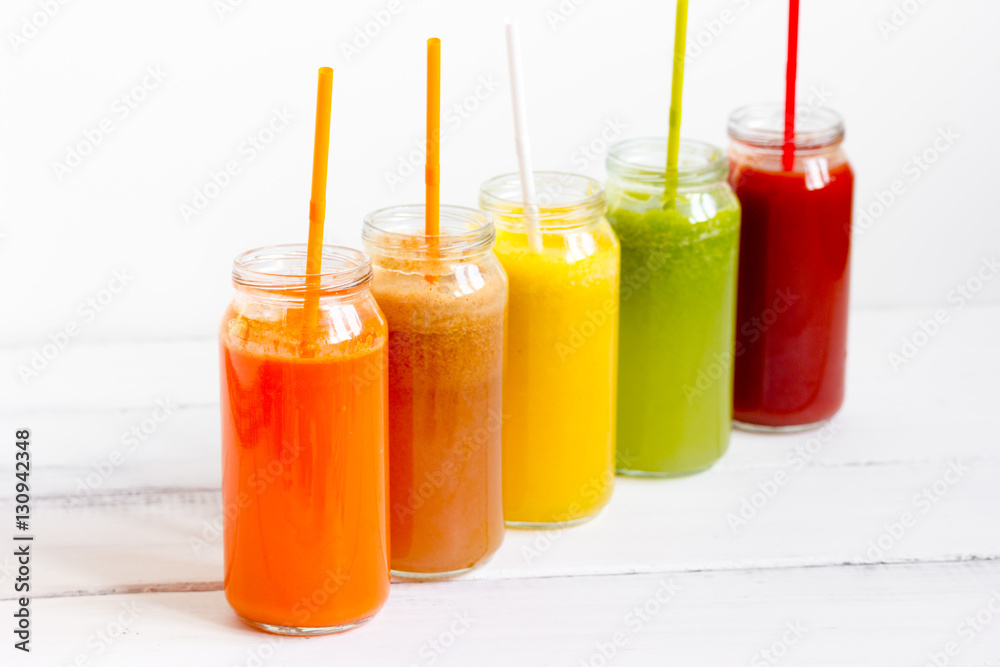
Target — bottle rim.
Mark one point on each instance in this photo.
(763, 126)
(563, 199)
(400, 229)
(282, 269)
(644, 159)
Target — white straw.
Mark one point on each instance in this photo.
(521, 138)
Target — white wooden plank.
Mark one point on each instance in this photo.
(821, 515)
(111, 376)
(844, 615)
(98, 451)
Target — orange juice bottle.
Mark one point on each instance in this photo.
(303, 443)
(444, 298)
(560, 384)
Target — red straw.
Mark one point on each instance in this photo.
(788, 152)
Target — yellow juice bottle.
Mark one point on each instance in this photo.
(559, 386)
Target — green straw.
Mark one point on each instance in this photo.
(676, 89)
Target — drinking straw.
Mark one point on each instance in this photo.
(676, 90)
(432, 170)
(788, 150)
(317, 200)
(521, 138)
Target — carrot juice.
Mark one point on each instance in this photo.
(303, 435)
(444, 299)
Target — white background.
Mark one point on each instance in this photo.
(120, 525)
(605, 63)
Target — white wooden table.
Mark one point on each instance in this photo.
(127, 563)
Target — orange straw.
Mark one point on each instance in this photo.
(432, 170)
(317, 200)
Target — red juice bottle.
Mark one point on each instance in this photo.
(791, 315)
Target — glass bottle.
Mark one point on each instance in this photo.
(444, 297)
(562, 344)
(303, 372)
(678, 301)
(795, 246)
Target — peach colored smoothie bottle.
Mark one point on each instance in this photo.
(304, 443)
(444, 297)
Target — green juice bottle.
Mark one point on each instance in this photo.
(678, 304)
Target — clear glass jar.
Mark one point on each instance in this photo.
(444, 297)
(795, 248)
(562, 344)
(303, 373)
(678, 301)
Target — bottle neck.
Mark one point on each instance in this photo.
(744, 154)
(563, 202)
(757, 136)
(641, 163)
(277, 274)
(398, 233)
